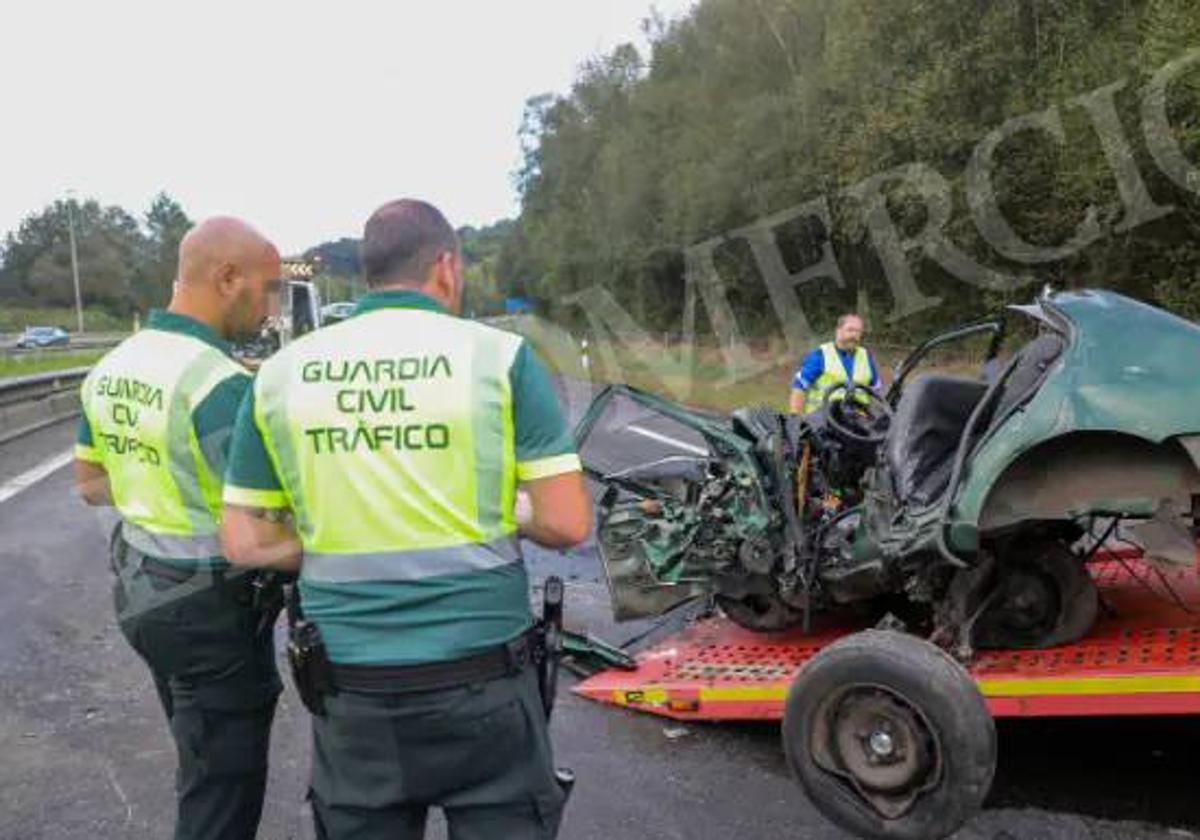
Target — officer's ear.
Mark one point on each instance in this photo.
(445, 282)
(228, 280)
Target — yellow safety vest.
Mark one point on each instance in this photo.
(393, 437)
(138, 401)
(352, 417)
(835, 374)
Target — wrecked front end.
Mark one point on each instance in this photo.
(695, 504)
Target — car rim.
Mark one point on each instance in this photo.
(1026, 611)
(1031, 603)
(879, 744)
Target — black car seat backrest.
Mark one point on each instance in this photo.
(1035, 359)
(925, 434)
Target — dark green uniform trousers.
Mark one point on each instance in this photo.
(480, 751)
(213, 663)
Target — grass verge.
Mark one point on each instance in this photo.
(14, 319)
(31, 363)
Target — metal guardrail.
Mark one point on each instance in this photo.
(29, 403)
(78, 344)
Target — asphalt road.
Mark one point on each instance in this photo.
(85, 753)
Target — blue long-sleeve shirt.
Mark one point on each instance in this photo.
(813, 366)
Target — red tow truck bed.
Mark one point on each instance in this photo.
(1142, 658)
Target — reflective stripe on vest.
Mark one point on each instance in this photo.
(138, 401)
(200, 547)
(834, 373)
(411, 565)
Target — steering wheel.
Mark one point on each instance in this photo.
(861, 422)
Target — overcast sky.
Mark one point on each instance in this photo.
(302, 117)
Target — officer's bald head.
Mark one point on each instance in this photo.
(219, 244)
(227, 274)
(402, 242)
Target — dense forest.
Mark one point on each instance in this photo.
(339, 268)
(128, 263)
(846, 127)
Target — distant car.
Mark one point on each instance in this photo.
(35, 337)
(335, 312)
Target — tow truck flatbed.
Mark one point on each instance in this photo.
(1142, 658)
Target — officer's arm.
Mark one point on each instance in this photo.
(796, 403)
(256, 525)
(91, 479)
(259, 538)
(810, 371)
(558, 510)
(553, 505)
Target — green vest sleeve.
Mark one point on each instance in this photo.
(85, 444)
(250, 478)
(213, 420)
(544, 444)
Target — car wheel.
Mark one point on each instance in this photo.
(890, 737)
(1044, 597)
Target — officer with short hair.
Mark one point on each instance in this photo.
(836, 363)
(394, 444)
(158, 414)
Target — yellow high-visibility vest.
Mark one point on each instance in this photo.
(835, 374)
(138, 401)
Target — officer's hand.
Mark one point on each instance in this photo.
(259, 539)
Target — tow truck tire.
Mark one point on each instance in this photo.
(890, 737)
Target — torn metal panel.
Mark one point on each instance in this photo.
(1091, 474)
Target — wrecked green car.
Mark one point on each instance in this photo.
(963, 508)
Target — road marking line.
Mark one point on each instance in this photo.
(28, 478)
(661, 438)
(112, 777)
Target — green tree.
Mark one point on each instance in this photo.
(122, 267)
(166, 224)
(743, 108)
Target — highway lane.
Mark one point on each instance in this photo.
(86, 754)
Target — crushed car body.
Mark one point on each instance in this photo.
(964, 509)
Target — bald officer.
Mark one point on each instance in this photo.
(158, 413)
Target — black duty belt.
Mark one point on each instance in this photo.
(498, 662)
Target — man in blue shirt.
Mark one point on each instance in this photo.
(834, 363)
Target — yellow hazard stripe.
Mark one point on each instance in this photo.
(640, 697)
(1051, 686)
(1043, 687)
(656, 696)
(744, 694)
